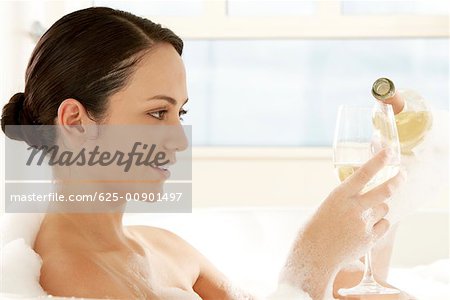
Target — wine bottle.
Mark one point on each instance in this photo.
(412, 116)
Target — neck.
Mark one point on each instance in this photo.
(97, 230)
(98, 223)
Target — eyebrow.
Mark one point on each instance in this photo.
(167, 98)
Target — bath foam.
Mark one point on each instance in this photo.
(302, 270)
(21, 268)
(288, 292)
(367, 217)
(25, 226)
(354, 266)
(237, 293)
(304, 265)
(284, 292)
(427, 170)
(20, 264)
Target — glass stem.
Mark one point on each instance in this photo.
(368, 272)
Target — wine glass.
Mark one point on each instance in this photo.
(361, 132)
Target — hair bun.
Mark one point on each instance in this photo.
(13, 114)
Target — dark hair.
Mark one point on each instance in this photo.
(87, 55)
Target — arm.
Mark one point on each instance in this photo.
(211, 284)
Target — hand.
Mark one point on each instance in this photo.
(348, 223)
(344, 228)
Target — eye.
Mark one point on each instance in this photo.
(158, 114)
(182, 113)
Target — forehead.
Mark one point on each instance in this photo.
(160, 71)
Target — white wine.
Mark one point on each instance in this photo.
(412, 117)
(346, 170)
(412, 127)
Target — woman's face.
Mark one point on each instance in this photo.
(152, 102)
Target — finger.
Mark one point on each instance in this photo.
(382, 192)
(366, 172)
(377, 213)
(380, 228)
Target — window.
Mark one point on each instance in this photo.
(270, 8)
(286, 92)
(172, 8)
(272, 73)
(358, 7)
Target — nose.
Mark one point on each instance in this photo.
(177, 140)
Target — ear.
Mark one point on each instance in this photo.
(74, 121)
(71, 112)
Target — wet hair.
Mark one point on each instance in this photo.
(87, 55)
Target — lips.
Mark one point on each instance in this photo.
(163, 170)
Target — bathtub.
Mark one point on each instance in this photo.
(249, 245)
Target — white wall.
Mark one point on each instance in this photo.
(261, 176)
(257, 176)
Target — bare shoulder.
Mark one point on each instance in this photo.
(65, 271)
(150, 231)
(164, 240)
(209, 283)
(71, 274)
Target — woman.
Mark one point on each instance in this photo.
(100, 66)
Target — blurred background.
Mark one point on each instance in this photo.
(265, 79)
